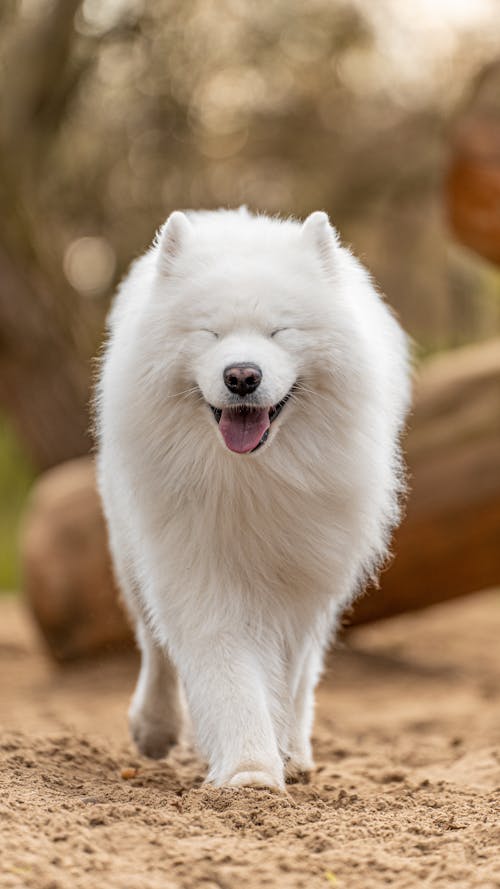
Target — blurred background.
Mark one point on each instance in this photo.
(115, 112)
(386, 114)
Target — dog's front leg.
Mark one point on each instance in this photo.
(304, 672)
(229, 705)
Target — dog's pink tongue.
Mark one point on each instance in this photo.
(242, 430)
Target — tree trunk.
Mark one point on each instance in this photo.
(45, 336)
(472, 186)
(44, 381)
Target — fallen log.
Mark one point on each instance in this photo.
(449, 541)
(448, 544)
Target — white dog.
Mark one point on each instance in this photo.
(252, 396)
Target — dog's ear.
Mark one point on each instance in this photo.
(321, 235)
(172, 238)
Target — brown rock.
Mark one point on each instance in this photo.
(68, 579)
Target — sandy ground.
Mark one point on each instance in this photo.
(406, 791)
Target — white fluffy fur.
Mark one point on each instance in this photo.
(236, 567)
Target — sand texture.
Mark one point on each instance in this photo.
(406, 791)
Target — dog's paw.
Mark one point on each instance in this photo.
(153, 739)
(255, 776)
(298, 770)
(254, 779)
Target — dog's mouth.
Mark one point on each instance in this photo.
(245, 428)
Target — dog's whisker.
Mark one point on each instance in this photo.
(312, 392)
(299, 387)
(183, 392)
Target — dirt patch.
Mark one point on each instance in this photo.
(406, 790)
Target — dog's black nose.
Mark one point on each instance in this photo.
(242, 378)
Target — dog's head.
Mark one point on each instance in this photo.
(249, 308)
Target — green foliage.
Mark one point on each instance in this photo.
(16, 476)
